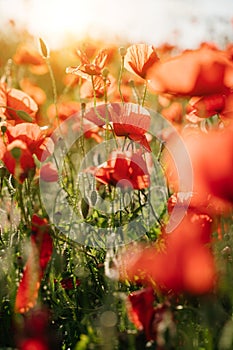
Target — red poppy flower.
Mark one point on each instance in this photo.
(87, 69)
(40, 255)
(18, 159)
(132, 122)
(139, 58)
(29, 56)
(184, 264)
(100, 114)
(17, 101)
(22, 141)
(211, 156)
(207, 72)
(33, 90)
(48, 172)
(89, 129)
(140, 309)
(128, 120)
(87, 91)
(124, 169)
(64, 110)
(206, 106)
(147, 317)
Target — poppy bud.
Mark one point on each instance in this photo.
(94, 197)
(3, 129)
(105, 72)
(16, 152)
(43, 49)
(122, 51)
(83, 106)
(84, 207)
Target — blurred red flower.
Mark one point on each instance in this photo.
(22, 142)
(34, 331)
(140, 309)
(207, 71)
(33, 90)
(63, 111)
(211, 156)
(87, 69)
(139, 58)
(49, 173)
(26, 55)
(16, 105)
(101, 87)
(33, 344)
(40, 254)
(147, 317)
(131, 122)
(183, 262)
(206, 106)
(128, 120)
(124, 169)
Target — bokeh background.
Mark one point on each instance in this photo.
(185, 23)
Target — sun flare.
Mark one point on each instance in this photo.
(55, 19)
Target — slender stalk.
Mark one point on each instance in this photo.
(54, 87)
(120, 78)
(144, 94)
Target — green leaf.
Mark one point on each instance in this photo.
(83, 342)
(226, 340)
(24, 116)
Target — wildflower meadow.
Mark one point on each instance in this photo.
(116, 196)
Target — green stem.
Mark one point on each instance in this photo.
(21, 203)
(54, 88)
(135, 91)
(144, 94)
(120, 78)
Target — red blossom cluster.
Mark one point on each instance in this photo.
(183, 261)
(192, 89)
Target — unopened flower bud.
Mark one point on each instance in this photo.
(105, 72)
(3, 129)
(43, 48)
(16, 152)
(122, 51)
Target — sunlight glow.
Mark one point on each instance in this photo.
(55, 19)
(174, 21)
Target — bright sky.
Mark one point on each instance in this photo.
(184, 22)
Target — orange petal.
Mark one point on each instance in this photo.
(207, 72)
(20, 101)
(139, 58)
